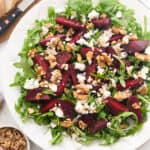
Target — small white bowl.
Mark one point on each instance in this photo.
(13, 127)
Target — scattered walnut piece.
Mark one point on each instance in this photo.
(89, 26)
(82, 125)
(32, 52)
(143, 89)
(66, 123)
(83, 87)
(80, 96)
(44, 84)
(104, 60)
(123, 126)
(69, 47)
(103, 15)
(79, 57)
(56, 76)
(52, 60)
(48, 25)
(60, 46)
(49, 35)
(70, 32)
(89, 56)
(30, 110)
(136, 106)
(59, 28)
(121, 95)
(118, 30)
(38, 96)
(133, 37)
(40, 71)
(142, 57)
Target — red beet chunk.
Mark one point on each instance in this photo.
(84, 50)
(52, 103)
(36, 95)
(130, 83)
(45, 41)
(69, 23)
(90, 69)
(116, 37)
(136, 46)
(73, 74)
(76, 37)
(115, 107)
(68, 108)
(89, 119)
(63, 83)
(103, 23)
(97, 126)
(110, 50)
(133, 105)
(62, 58)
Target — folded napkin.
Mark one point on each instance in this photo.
(146, 3)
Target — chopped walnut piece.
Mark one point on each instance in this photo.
(44, 84)
(56, 76)
(40, 71)
(32, 52)
(48, 25)
(54, 42)
(70, 47)
(60, 46)
(59, 28)
(49, 35)
(79, 57)
(104, 60)
(123, 126)
(142, 57)
(52, 60)
(103, 15)
(82, 125)
(83, 87)
(118, 30)
(89, 56)
(136, 106)
(80, 96)
(121, 95)
(38, 96)
(133, 37)
(66, 123)
(70, 32)
(89, 26)
(30, 110)
(143, 89)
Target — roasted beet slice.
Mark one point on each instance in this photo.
(84, 51)
(63, 83)
(114, 106)
(110, 51)
(136, 46)
(76, 37)
(68, 108)
(89, 119)
(62, 58)
(36, 95)
(130, 83)
(116, 37)
(73, 74)
(69, 23)
(52, 103)
(90, 69)
(134, 106)
(103, 23)
(97, 126)
(45, 41)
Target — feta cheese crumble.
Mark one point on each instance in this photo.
(143, 72)
(81, 77)
(147, 50)
(93, 15)
(79, 66)
(119, 14)
(31, 84)
(59, 113)
(53, 87)
(100, 70)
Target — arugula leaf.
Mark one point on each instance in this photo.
(51, 14)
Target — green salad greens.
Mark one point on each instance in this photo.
(85, 72)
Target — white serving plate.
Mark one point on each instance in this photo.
(39, 134)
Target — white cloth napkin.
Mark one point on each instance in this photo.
(146, 3)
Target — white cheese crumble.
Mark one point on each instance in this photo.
(44, 30)
(84, 108)
(65, 66)
(79, 66)
(129, 69)
(123, 54)
(90, 33)
(93, 15)
(89, 79)
(103, 40)
(31, 84)
(119, 14)
(100, 70)
(68, 39)
(59, 113)
(81, 77)
(143, 72)
(53, 87)
(125, 39)
(147, 50)
(53, 125)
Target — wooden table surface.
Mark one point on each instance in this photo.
(7, 34)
